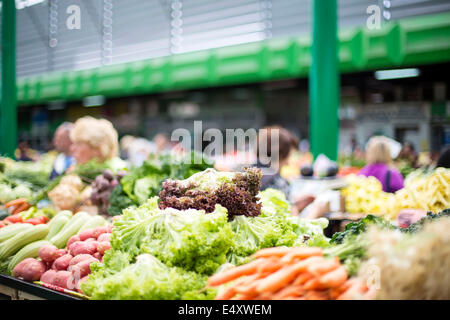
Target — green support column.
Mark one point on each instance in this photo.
(324, 80)
(8, 95)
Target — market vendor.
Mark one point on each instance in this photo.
(95, 139)
(379, 165)
(62, 143)
(271, 174)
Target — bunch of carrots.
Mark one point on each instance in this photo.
(281, 273)
(17, 205)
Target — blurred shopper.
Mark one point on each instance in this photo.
(378, 157)
(408, 154)
(139, 151)
(25, 153)
(95, 139)
(444, 159)
(271, 172)
(62, 143)
(125, 144)
(162, 143)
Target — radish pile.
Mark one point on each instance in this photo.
(67, 268)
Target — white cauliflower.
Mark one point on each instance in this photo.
(72, 180)
(64, 196)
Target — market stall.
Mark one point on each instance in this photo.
(173, 230)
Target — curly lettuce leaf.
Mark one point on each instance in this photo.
(189, 239)
(148, 279)
(274, 202)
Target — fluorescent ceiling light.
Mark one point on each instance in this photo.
(21, 4)
(397, 73)
(93, 101)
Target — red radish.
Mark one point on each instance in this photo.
(82, 268)
(48, 265)
(98, 256)
(103, 247)
(62, 263)
(60, 253)
(104, 237)
(48, 276)
(62, 279)
(29, 269)
(48, 253)
(86, 234)
(110, 228)
(90, 240)
(81, 247)
(79, 258)
(72, 240)
(99, 230)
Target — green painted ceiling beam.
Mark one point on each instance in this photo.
(8, 106)
(412, 41)
(324, 80)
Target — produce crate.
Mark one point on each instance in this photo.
(18, 289)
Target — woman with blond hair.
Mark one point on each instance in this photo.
(378, 157)
(93, 138)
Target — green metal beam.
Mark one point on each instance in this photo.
(8, 93)
(407, 42)
(324, 80)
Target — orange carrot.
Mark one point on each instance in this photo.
(225, 294)
(246, 296)
(316, 295)
(234, 273)
(288, 291)
(247, 285)
(334, 278)
(15, 202)
(285, 275)
(270, 252)
(301, 253)
(337, 291)
(278, 279)
(270, 265)
(22, 207)
(294, 298)
(302, 278)
(325, 266)
(263, 296)
(312, 284)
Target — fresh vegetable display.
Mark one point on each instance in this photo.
(144, 182)
(66, 195)
(350, 245)
(191, 241)
(365, 195)
(410, 265)
(30, 175)
(296, 273)
(68, 268)
(418, 225)
(429, 191)
(102, 188)
(235, 191)
(187, 231)
(21, 241)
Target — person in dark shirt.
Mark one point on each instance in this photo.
(271, 171)
(444, 159)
